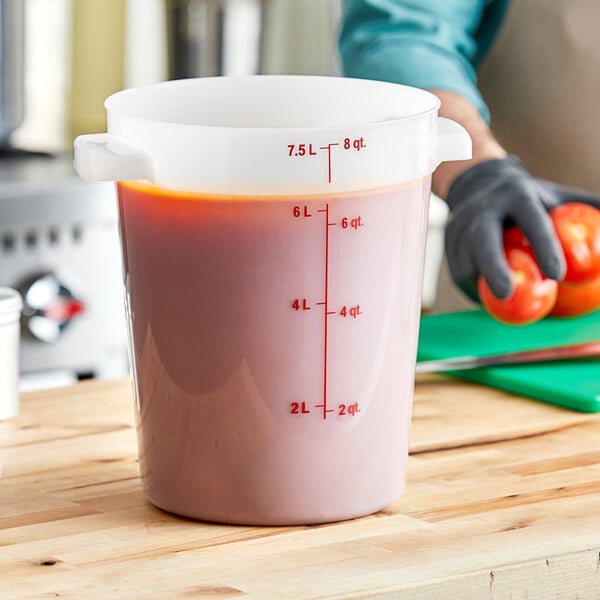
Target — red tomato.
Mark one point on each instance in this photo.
(575, 300)
(578, 229)
(533, 295)
(514, 238)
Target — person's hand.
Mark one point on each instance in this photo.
(489, 197)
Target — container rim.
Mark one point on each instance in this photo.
(116, 103)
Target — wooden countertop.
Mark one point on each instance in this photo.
(502, 501)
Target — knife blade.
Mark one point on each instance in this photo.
(459, 363)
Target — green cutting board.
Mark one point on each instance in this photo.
(573, 384)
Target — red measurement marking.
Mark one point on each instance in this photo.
(351, 311)
(300, 304)
(328, 148)
(301, 150)
(327, 312)
(298, 212)
(299, 408)
(354, 223)
(326, 300)
(349, 409)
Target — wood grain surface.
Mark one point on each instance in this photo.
(502, 502)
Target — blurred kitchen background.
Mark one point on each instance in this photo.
(59, 60)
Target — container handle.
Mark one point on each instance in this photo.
(453, 141)
(101, 157)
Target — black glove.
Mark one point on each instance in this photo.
(489, 197)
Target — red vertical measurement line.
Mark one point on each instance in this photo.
(326, 311)
(328, 148)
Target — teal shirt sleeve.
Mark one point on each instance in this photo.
(430, 44)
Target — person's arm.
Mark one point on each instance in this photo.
(428, 44)
(485, 146)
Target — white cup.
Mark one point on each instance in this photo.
(10, 313)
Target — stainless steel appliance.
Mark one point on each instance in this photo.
(59, 247)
